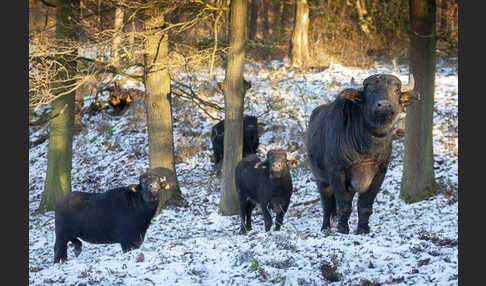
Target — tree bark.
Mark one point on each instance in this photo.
(299, 46)
(287, 16)
(266, 25)
(234, 92)
(59, 154)
(252, 27)
(158, 104)
(276, 32)
(418, 182)
(118, 25)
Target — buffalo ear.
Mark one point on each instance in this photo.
(292, 163)
(133, 188)
(409, 97)
(262, 164)
(351, 94)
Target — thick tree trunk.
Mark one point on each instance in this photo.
(276, 31)
(252, 27)
(234, 93)
(59, 154)
(418, 181)
(118, 25)
(158, 105)
(299, 46)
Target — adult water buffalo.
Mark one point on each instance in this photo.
(121, 215)
(349, 143)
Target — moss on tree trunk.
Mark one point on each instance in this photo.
(59, 154)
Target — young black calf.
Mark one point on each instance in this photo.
(120, 215)
(266, 183)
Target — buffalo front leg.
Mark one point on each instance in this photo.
(344, 201)
(328, 204)
(280, 216)
(243, 203)
(267, 218)
(249, 209)
(365, 204)
(60, 250)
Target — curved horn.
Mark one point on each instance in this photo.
(410, 85)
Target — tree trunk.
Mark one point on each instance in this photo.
(266, 26)
(234, 93)
(59, 154)
(252, 27)
(287, 16)
(418, 182)
(117, 38)
(276, 32)
(158, 104)
(299, 46)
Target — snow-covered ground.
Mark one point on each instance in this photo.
(409, 244)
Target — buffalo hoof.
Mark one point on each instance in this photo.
(362, 230)
(242, 231)
(344, 229)
(326, 231)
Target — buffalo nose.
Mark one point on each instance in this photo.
(383, 106)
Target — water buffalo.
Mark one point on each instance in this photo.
(349, 143)
(266, 183)
(121, 215)
(250, 137)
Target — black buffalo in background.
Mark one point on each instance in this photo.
(266, 183)
(250, 138)
(349, 143)
(120, 215)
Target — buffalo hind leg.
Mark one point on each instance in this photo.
(328, 204)
(344, 201)
(77, 246)
(243, 203)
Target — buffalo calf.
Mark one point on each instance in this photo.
(349, 143)
(250, 138)
(120, 215)
(266, 183)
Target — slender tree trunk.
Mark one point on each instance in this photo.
(234, 93)
(277, 4)
(118, 25)
(158, 105)
(252, 27)
(59, 154)
(418, 180)
(266, 25)
(299, 46)
(287, 16)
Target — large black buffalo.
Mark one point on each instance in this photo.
(120, 215)
(267, 184)
(349, 143)
(250, 137)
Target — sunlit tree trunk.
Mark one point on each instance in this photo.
(299, 46)
(418, 181)
(158, 104)
(234, 93)
(117, 38)
(59, 154)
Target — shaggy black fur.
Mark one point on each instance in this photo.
(120, 215)
(349, 143)
(250, 138)
(268, 184)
